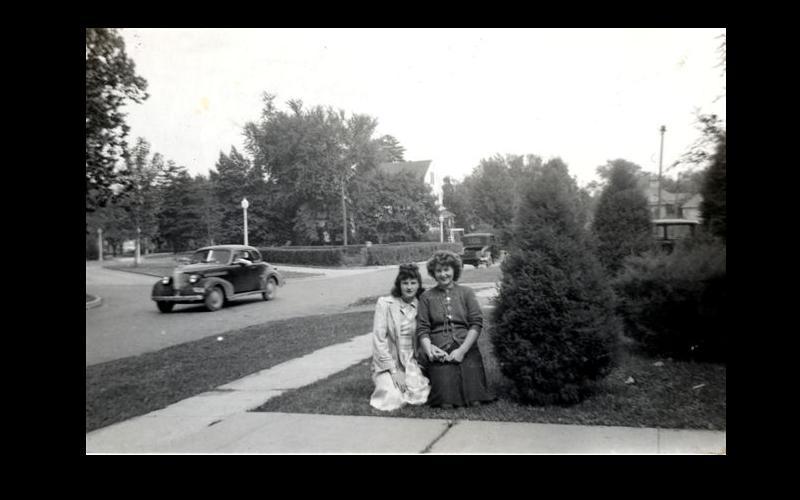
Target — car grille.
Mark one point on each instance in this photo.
(178, 280)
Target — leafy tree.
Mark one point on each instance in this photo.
(210, 212)
(393, 207)
(180, 221)
(622, 220)
(555, 330)
(492, 194)
(713, 208)
(141, 198)
(111, 82)
(235, 178)
(308, 155)
(391, 150)
(455, 198)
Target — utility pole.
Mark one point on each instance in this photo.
(660, 157)
(344, 216)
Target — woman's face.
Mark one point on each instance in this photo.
(443, 275)
(409, 287)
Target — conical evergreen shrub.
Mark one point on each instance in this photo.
(622, 219)
(555, 330)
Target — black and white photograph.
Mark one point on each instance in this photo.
(406, 241)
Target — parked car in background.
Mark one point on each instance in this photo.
(479, 248)
(215, 275)
(667, 232)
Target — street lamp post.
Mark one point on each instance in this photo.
(441, 228)
(660, 157)
(138, 257)
(100, 243)
(245, 204)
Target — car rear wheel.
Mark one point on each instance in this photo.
(215, 299)
(165, 307)
(272, 287)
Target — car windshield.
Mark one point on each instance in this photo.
(211, 256)
(474, 241)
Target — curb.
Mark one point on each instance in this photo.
(97, 302)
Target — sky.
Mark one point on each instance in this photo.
(453, 96)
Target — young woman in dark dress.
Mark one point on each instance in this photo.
(449, 321)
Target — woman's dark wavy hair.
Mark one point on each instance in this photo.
(407, 272)
(445, 258)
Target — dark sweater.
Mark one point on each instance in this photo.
(465, 313)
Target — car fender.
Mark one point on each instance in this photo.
(226, 285)
(160, 289)
(277, 276)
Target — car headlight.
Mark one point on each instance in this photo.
(165, 280)
(194, 278)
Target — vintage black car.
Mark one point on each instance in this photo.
(479, 248)
(216, 274)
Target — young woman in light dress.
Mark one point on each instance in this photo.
(397, 375)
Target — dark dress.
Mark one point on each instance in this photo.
(445, 316)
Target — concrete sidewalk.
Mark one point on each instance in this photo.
(219, 421)
(286, 433)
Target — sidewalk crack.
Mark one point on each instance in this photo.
(450, 424)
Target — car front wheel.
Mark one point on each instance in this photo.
(215, 299)
(165, 307)
(272, 287)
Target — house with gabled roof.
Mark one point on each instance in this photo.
(423, 170)
(691, 207)
(673, 205)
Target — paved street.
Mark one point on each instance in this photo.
(128, 323)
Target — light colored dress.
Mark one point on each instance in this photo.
(393, 347)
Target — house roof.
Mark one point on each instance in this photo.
(417, 168)
(693, 202)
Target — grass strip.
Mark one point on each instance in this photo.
(665, 396)
(121, 389)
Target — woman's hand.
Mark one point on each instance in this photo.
(436, 354)
(399, 379)
(457, 356)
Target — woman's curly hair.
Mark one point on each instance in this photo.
(407, 272)
(445, 258)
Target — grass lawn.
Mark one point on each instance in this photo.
(681, 395)
(122, 389)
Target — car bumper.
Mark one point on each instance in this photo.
(177, 298)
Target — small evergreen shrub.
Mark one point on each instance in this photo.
(622, 220)
(555, 331)
(676, 304)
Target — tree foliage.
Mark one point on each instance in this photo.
(307, 155)
(555, 329)
(713, 208)
(111, 82)
(622, 220)
(393, 207)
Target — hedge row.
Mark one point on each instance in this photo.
(676, 305)
(356, 255)
(382, 255)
